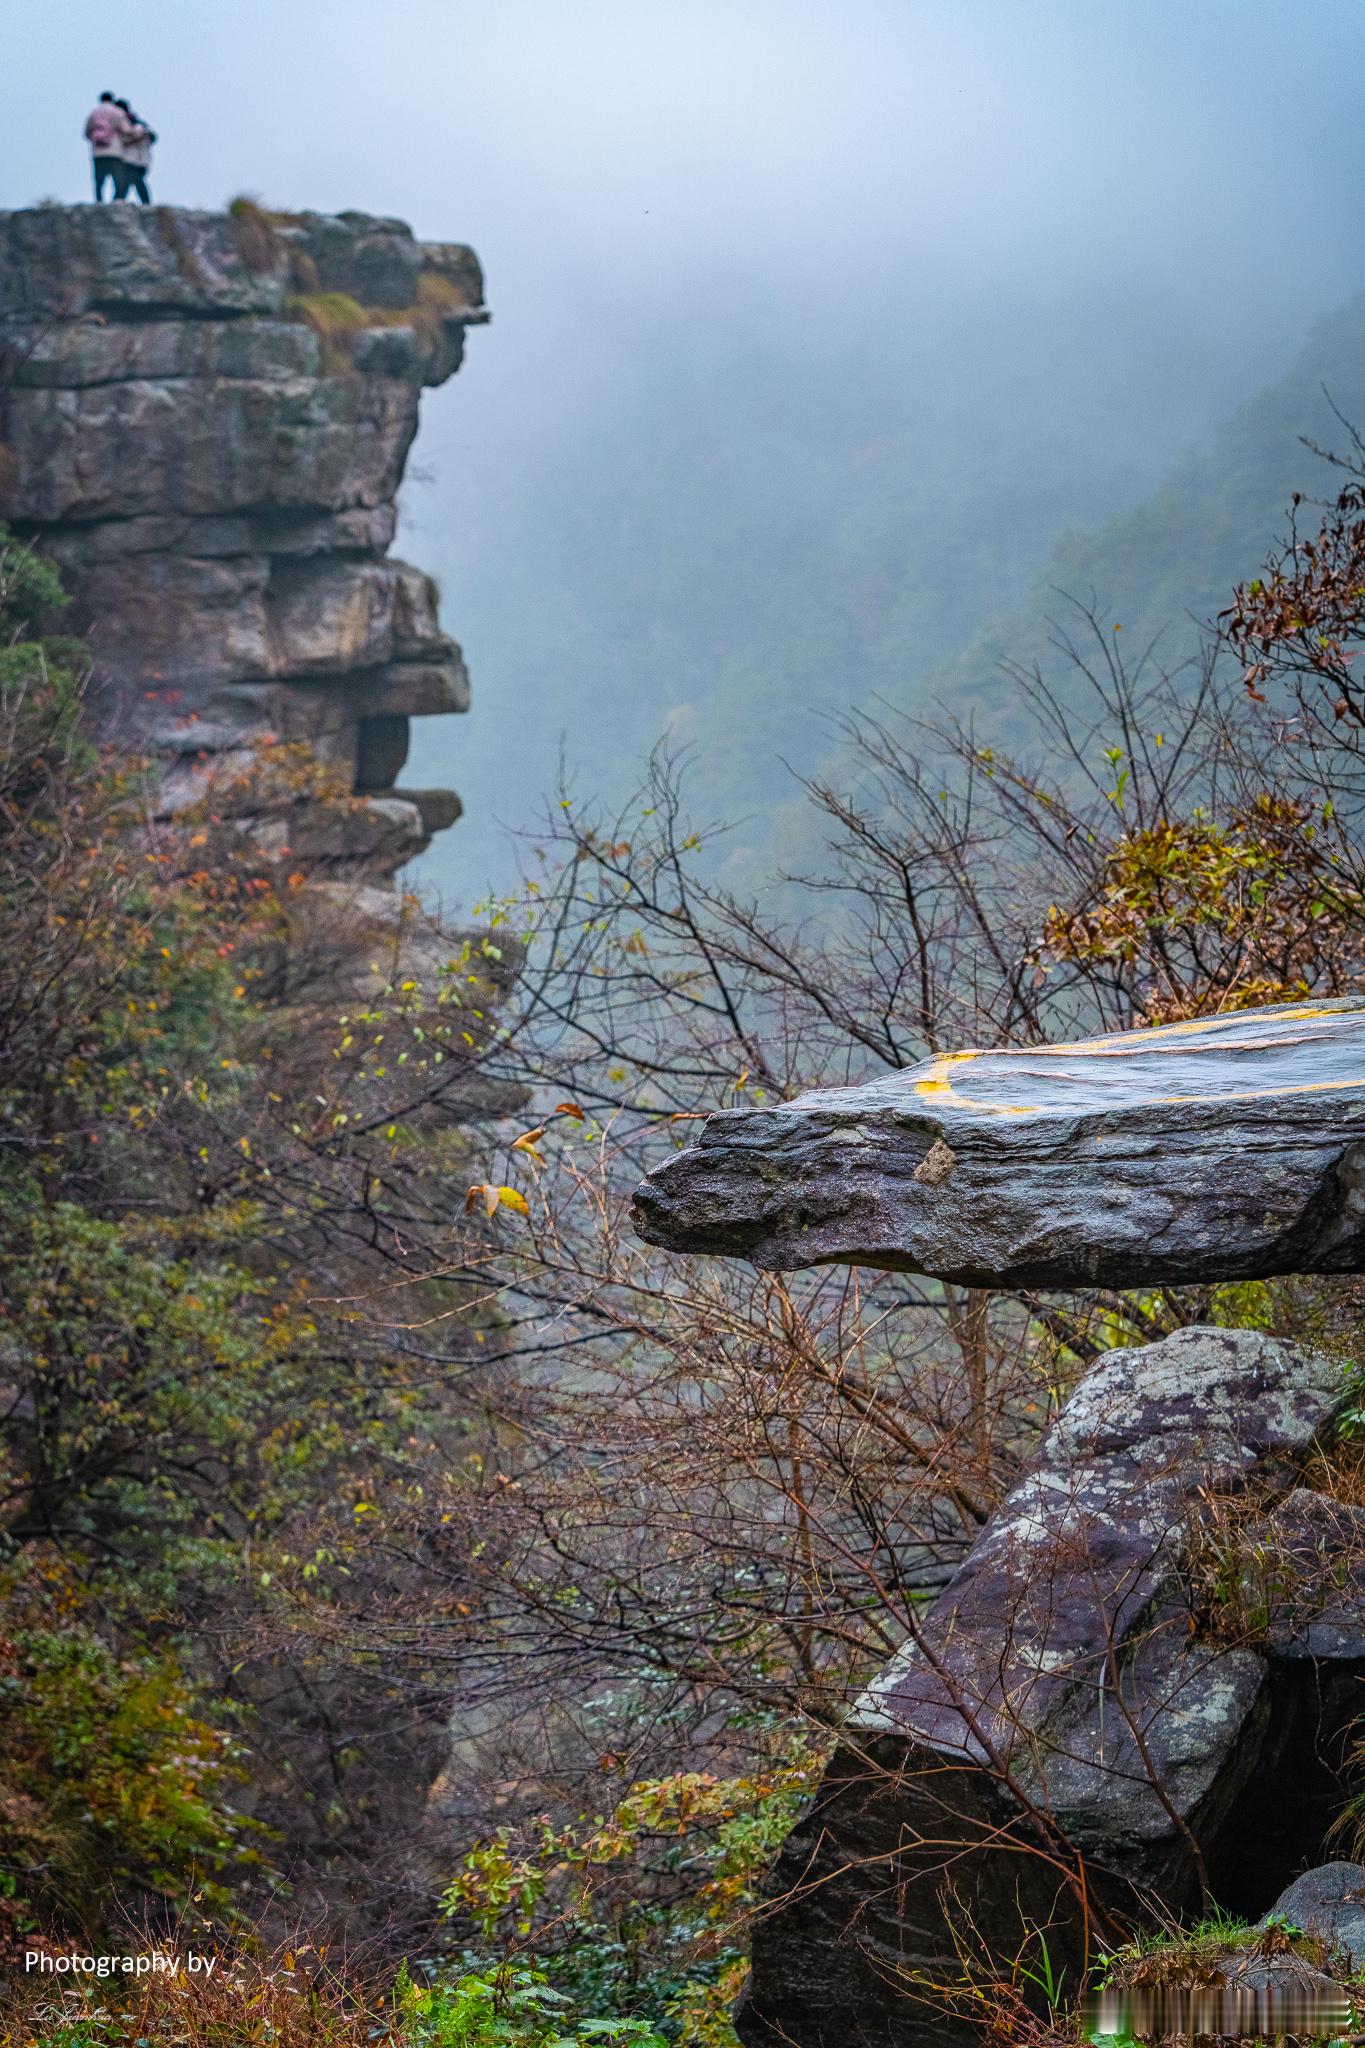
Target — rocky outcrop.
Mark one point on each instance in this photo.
(1091, 1715)
(205, 419)
(1143, 1685)
(1225, 1148)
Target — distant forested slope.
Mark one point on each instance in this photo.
(1164, 570)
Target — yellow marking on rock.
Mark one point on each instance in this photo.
(936, 1082)
(1152, 1101)
(1115, 1044)
(1255, 1094)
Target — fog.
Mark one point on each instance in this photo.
(815, 325)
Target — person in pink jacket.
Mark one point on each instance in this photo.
(105, 130)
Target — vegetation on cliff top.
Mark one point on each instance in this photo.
(334, 316)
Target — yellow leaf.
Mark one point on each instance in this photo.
(512, 1198)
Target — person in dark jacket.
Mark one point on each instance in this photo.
(104, 131)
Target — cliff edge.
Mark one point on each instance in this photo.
(205, 419)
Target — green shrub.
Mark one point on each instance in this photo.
(111, 1787)
(645, 1905)
(506, 2007)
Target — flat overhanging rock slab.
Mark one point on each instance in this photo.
(1225, 1148)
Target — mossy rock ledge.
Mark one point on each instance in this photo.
(1229, 1147)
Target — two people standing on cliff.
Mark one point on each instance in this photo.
(120, 148)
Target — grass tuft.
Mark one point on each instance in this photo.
(329, 314)
(253, 229)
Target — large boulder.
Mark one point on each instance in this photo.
(1225, 1148)
(1078, 1725)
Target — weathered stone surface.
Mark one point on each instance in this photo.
(1225, 1148)
(239, 716)
(439, 808)
(459, 266)
(1328, 1901)
(376, 832)
(388, 352)
(66, 261)
(218, 483)
(373, 260)
(62, 261)
(203, 447)
(325, 616)
(185, 622)
(75, 354)
(1118, 1469)
(417, 689)
(170, 628)
(349, 723)
(276, 530)
(1063, 1696)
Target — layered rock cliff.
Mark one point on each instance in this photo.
(205, 419)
